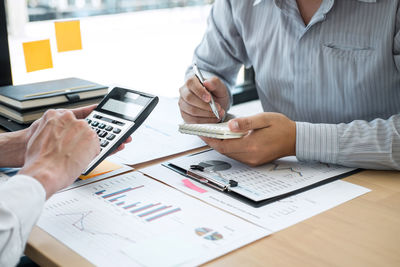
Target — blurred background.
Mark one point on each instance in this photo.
(140, 44)
(59, 9)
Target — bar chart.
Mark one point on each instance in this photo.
(125, 198)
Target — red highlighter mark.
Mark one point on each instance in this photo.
(192, 186)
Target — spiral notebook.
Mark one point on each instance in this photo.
(213, 130)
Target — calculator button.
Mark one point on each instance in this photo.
(89, 121)
(98, 131)
(103, 134)
(117, 130)
(95, 123)
(104, 143)
(101, 126)
(111, 137)
(109, 128)
(118, 123)
(98, 116)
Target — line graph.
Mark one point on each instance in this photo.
(278, 167)
(80, 224)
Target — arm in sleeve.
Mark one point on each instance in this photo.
(222, 52)
(21, 201)
(361, 144)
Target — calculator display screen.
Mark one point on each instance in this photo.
(123, 108)
(126, 104)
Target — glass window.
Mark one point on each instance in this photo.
(141, 44)
(39, 10)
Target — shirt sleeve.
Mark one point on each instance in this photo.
(21, 202)
(361, 144)
(222, 52)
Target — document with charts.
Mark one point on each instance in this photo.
(133, 220)
(275, 216)
(263, 184)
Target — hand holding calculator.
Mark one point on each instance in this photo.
(118, 115)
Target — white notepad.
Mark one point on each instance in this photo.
(213, 130)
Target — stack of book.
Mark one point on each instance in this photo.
(26, 103)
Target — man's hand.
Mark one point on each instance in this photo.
(269, 136)
(194, 100)
(59, 150)
(18, 157)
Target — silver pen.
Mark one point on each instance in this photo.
(202, 80)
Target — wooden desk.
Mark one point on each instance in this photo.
(362, 232)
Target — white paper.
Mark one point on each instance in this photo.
(116, 229)
(158, 136)
(246, 109)
(277, 178)
(3, 177)
(275, 216)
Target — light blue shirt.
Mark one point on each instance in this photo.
(338, 77)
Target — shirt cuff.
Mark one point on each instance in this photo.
(25, 197)
(317, 142)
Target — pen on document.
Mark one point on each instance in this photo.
(201, 79)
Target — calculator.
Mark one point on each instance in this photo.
(117, 116)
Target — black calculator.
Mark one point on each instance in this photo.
(118, 115)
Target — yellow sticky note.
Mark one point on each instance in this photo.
(68, 35)
(37, 55)
(102, 168)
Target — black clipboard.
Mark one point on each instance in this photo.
(246, 200)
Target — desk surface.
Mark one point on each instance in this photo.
(362, 232)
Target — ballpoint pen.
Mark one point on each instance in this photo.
(202, 80)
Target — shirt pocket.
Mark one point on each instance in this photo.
(357, 52)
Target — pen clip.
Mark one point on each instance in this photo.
(208, 181)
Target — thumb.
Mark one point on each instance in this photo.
(216, 87)
(258, 121)
(81, 113)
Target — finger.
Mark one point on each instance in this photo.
(194, 85)
(121, 147)
(81, 113)
(195, 111)
(188, 118)
(192, 99)
(226, 146)
(215, 86)
(128, 140)
(261, 120)
(48, 115)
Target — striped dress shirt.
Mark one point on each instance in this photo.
(338, 77)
